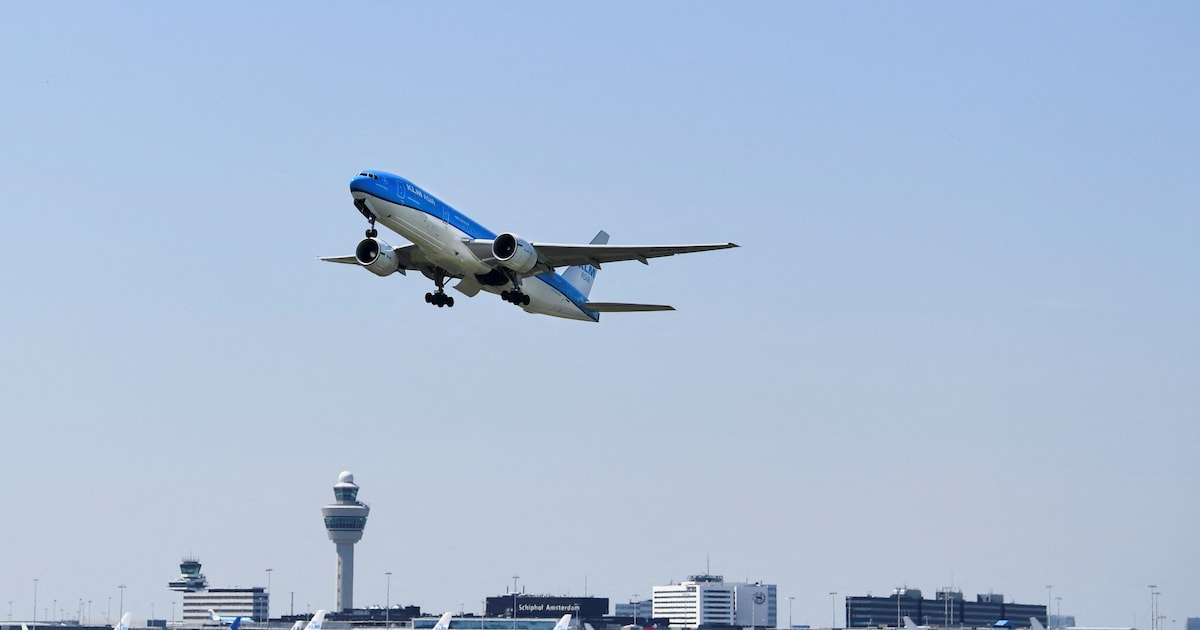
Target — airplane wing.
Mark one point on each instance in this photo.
(404, 254)
(554, 255)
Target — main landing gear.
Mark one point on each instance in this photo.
(517, 297)
(439, 298)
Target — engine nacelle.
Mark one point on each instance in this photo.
(376, 256)
(514, 252)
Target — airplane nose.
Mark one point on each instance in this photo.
(366, 181)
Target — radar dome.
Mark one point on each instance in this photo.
(346, 477)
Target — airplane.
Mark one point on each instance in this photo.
(212, 615)
(446, 244)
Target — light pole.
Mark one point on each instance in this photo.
(122, 600)
(108, 611)
(833, 609)
(790, 600)
(387, 612)
(1058, 610)
(635, 608)
(1153, 612)
(515, 601)
(268, 611)
(35, 580)
(1049, 589)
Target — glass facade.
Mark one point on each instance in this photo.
(345, 522)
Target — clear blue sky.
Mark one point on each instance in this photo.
(959, 344)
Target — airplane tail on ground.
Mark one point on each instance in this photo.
(444, 622)
(237, 623)
(909, 624)
(582, 276)
(565, 622)
(1035, 624)
(316, 621)
(212, 614)
(123, 624)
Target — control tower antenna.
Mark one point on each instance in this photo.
(344, 522)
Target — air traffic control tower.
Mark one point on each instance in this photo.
(345, 521)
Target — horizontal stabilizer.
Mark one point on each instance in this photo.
(618, 307)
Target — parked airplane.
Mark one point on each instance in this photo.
(212, 614)
(447, 244)
(564, 623)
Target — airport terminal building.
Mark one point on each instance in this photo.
(546, 606)
(708, 600)
(947, 609)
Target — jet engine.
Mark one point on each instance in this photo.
(514, 252)
(376, 256)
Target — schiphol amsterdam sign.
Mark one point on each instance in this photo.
(557, 608)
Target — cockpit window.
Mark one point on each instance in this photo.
(366, 174)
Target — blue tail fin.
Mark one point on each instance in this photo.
(582, 276)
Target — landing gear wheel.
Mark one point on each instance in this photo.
(429, 298)
(372, 233)
(515, 297)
